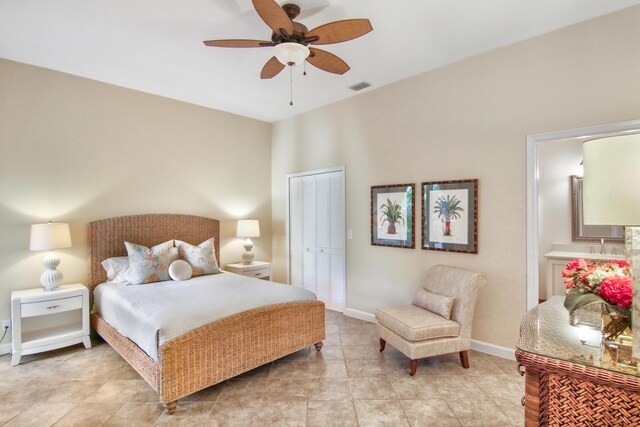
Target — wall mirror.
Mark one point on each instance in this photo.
(589, 233)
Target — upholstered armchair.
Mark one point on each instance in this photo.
(439, 319)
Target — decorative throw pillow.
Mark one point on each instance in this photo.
(202, 258)
(150, 265)
(180, 270)
(117, 269)
(438, 304)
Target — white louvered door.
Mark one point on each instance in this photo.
(338, 291)
(316, 236)
(322, 222)
(309, 233)
(295, 231)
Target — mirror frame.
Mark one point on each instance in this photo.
(577, 224)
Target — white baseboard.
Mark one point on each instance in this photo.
(5, 349)
(495, 350)
(362, 315)
(485, 347)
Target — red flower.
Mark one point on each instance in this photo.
(577, 264)
(567, 273)
(617, 290)
(620, 263)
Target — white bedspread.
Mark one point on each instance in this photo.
(153, 314)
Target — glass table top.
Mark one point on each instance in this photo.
(548, 330)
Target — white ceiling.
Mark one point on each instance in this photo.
(156, 46)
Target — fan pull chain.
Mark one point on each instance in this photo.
(304, 68)
(290, 85)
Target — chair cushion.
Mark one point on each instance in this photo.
(416, 324)
(435, 303)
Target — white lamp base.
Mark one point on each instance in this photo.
(248, 256)
(51, 278)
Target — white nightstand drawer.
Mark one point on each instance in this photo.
(257, 269)
(49, 307)
(258, 274)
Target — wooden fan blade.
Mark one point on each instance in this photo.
(271, 68)
(273, 15)
(327, 61)
(340, 31)
(238, 43)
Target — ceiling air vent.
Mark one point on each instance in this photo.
(360, 86)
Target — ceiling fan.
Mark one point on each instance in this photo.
(290, 39)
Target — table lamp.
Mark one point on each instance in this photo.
(248, 228)
(611, 196)
(49, 237)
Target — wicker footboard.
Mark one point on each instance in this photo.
(222, 349)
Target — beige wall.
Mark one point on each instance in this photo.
(467, 120)
(75, 150)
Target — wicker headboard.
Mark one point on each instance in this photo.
(107, 236)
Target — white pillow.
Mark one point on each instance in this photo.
(435, 303)
(180, 270)
(117, 269)
(150, 265)
(202, 258)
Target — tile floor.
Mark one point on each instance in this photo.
(348, 383)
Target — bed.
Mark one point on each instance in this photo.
(211, 353)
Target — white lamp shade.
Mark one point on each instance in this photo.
(611, 182)
(53, 235)
(291, 53)
(248, 228)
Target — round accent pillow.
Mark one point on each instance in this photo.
(180, 270)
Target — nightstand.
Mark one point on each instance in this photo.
(43, 321)
(257, 269)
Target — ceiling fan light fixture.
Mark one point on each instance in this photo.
(291, 53)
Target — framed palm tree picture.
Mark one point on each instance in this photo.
(392, 215)
(450, 216)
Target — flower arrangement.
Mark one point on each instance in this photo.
(610, 283)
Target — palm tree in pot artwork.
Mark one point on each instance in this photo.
(391, 213)
(447, 209)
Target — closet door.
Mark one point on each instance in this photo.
(316, 236)
(336, 238)
(296, 248)
(323, 239)
(309, 233)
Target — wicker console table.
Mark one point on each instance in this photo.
(569, 382)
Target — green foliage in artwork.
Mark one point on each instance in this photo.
(391, 213)
(448, 208)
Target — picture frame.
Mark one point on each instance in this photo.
(393, 215)
(450, 216)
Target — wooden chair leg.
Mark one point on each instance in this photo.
(464, 359)
(382, 344)
(318, 346)
(171, 407)
(413, 364)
